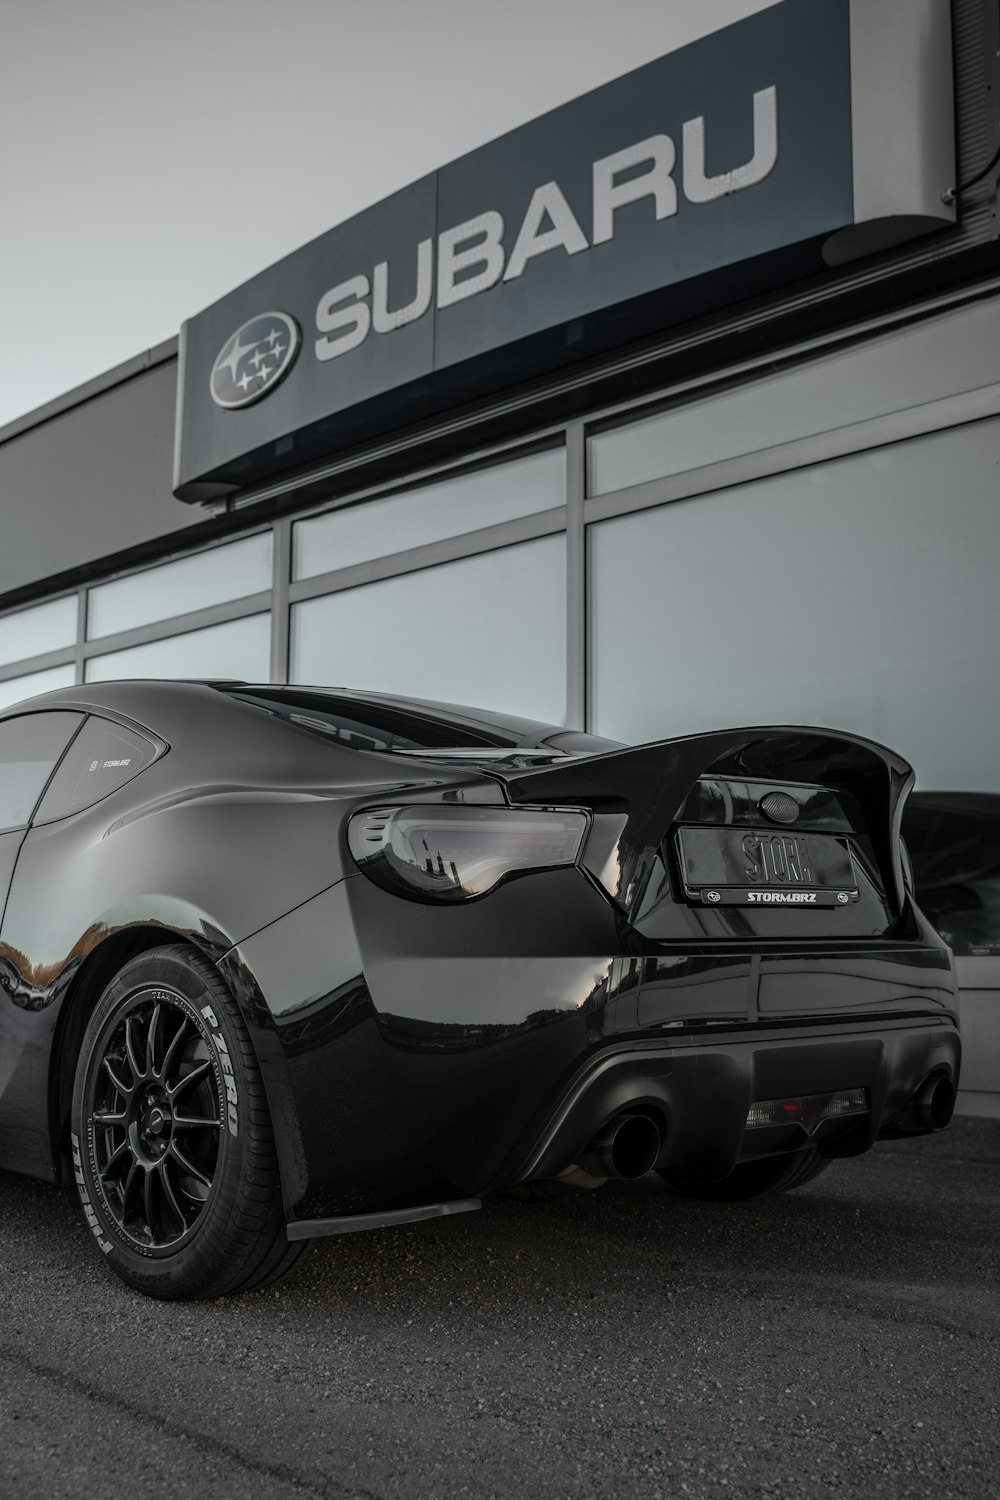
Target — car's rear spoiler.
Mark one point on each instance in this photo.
(648, 784)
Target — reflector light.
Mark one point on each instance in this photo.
(807, 1110)
(451, 853)
(851, 1102)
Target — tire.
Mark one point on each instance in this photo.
(173, 1151)
(752, 1179)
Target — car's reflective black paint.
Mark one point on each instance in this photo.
(414, 1051)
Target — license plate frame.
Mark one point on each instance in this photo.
(803, 870)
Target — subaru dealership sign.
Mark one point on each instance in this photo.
(804, 136)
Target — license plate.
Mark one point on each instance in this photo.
(758, 867)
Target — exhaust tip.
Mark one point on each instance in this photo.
(626, 1147)
(930, 1107)
(935, 1102)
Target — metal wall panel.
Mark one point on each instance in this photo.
(91, 482)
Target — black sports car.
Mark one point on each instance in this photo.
(285, 962)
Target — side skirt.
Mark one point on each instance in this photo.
(314, 1229)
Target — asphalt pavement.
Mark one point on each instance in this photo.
(842, 1340)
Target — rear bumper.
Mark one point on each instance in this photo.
(414, 1054)
(699, 1092)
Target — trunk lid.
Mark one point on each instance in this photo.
(776, 832)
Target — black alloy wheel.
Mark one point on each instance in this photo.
(157, 1115)
(752, 1179)
(173, 1151)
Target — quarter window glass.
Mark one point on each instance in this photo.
(240, 649)
(29, 748)
(431, 513)
(177, 588)
(45, 627)
(103, 758)
(14, 689)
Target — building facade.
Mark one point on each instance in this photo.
(747, 475)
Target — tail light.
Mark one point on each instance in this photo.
(453, 853)
(808, 1110)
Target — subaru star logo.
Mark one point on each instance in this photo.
(254, 360)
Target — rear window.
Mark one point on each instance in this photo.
(372, 726)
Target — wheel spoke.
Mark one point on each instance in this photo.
(188, 1166)
(120, 1154)
(185, 1122)
(169, 1191)
(104, 1117)
(123, 1088)
(132, 1052)
(148, 1195)
(134, 1173)
(195, 1076)
(151, 1040)
(174, 1047)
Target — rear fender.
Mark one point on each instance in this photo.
(301, 985)
(42, 1005)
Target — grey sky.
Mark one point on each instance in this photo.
(159, 152)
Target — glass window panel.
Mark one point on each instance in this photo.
(103, 757)
(44, 627)
(956, 352)
(176, 588)
(860, 594)
(29, 748)
(239, 649)
(16, 688)
(429, 514)
(488, 631)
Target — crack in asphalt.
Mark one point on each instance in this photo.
(166, 1427)
(892, 1295)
